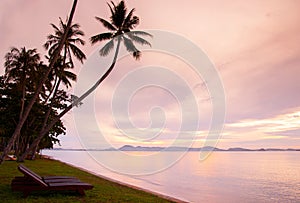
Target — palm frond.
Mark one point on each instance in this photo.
(137, 55)
(52, 49)
(66, 77)
(78, 32)
(104, 51)
(77, 40)
(54, 27)
(142, 33)
(66, 82)
(130, 47)
(106, 24)
(51, 40)
(77, 53)
(128, 18)
(119, 14)
(133, 22)
(101, 37)
(138, 39)
(111, 9)
(75, 26)
(70, 75)
(63, 25)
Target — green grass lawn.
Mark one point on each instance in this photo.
(103, 191)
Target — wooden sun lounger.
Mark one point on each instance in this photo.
(33, 182)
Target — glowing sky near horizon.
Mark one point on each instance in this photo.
(255, 46)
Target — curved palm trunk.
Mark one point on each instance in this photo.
(23, 98)
(21, 114)
(46, 118)
(52, 90)
(42, 133)
(21, 122)
(57, 82)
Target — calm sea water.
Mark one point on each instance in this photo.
(222, 177)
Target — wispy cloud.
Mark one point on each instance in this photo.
(266, 131)
(280, 123)
(255, 46)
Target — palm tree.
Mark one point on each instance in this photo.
(34, 98)
(62, 73)
(120, 28)
(64, 76)
(69, 46)
(61, 66)
(59, 74)
(22, 72)
(20, 67)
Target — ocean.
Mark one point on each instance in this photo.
(222, 177)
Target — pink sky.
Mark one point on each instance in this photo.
(254, 45)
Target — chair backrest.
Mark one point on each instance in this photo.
(32, 175)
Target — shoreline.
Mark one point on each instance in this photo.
(167, 197)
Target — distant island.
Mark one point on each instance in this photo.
(155, 149)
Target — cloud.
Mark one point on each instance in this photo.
(285, 127)
(255, 48)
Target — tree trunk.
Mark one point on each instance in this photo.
(51, 91)
(42, 133)
(46, 118)
(23, 98)
(21, 122)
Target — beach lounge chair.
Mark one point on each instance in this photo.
(33, 182)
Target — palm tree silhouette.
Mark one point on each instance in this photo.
(69, 46)
(60, 73)
(35, 96)
(21, 67)
(120, 30)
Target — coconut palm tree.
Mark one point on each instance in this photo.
(23, 70)
(60, 74)
(20, 67)
(64, 62)
(69, 46)
(120, 30)
(34, 98)
(69, 49)
(64, 76)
